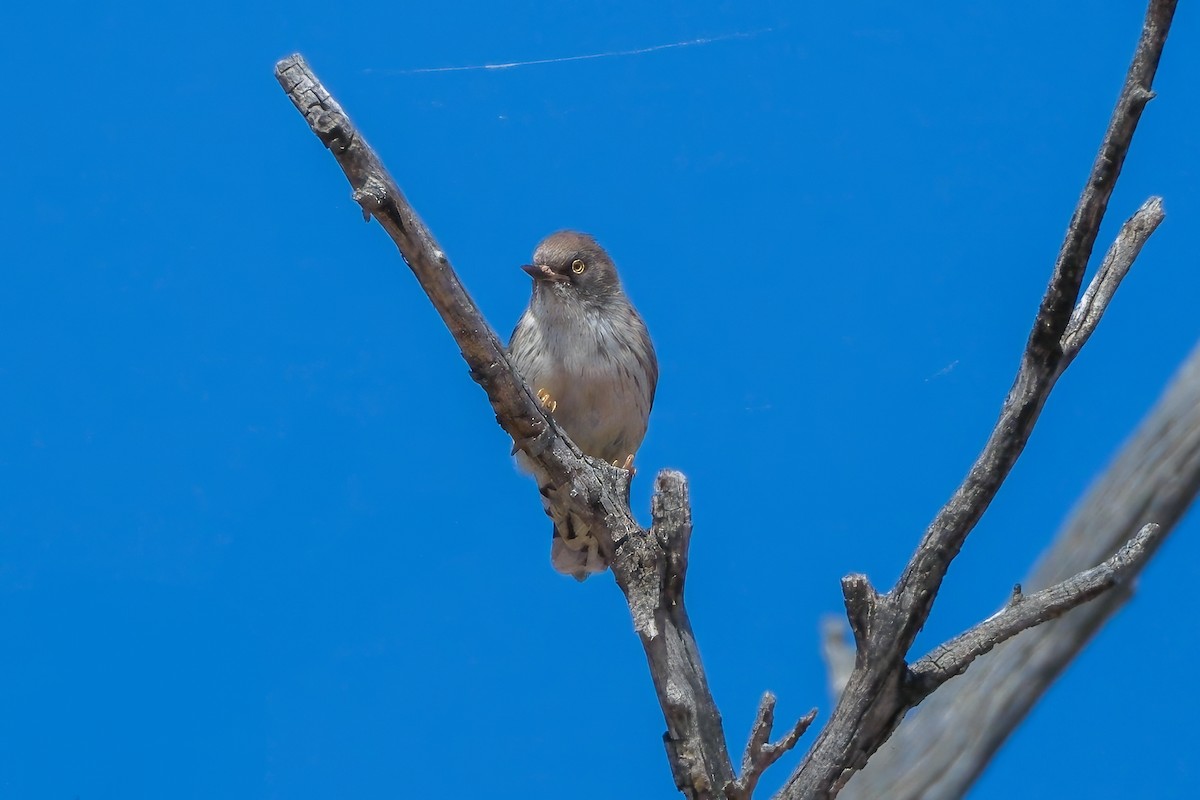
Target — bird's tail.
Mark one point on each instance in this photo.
(576, 555)
(574, 550)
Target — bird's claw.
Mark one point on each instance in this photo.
(627, 465)
(548, 402)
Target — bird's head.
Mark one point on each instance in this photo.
(573, 265)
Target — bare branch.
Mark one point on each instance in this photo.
(671, 514)
(1023, 612)
(875, 698)
(939, 751)
(1089, 212)
(651, 570)
(380, 197)
(1116, 265)
(760, 754)
(650, 567)
(1043, 360)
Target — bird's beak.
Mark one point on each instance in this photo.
(542, 272)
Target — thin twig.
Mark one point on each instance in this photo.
(1113, 269)
(760, 753)
(1023, 612)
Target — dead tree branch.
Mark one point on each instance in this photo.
(1023, 612)
(1113, 269)
(760, 752)
(940, 750)
(879, 691)
(649, 566)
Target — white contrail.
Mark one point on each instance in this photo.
(610, 54)
(943, 371)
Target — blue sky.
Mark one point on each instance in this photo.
(261, 536)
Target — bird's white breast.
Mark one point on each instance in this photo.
(587, 367)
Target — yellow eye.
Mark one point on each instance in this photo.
(578, 267)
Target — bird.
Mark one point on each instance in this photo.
(585, 351)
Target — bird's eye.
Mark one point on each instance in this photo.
(578, 267)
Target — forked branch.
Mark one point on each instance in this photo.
(760, 752)
(650, 567)
(877, 693)
(1155, 475)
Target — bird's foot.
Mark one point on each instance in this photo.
(627, 466)
(548, 402)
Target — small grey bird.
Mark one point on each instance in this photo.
(584, 349)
